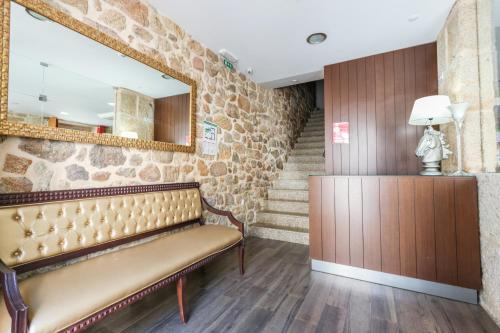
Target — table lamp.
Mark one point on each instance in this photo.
(432, 148)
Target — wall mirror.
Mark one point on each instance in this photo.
(64, 80)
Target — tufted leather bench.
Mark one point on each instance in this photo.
(45, 228)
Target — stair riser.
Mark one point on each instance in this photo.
(311, 139)
(282, 235)
(314, 128)
(306, 159)
(293, 175)
(288, 195)
(310, 145)
(302, 152)
(286, 184)
(288, 206)
(291, 166)
(284, 220)
(312, 133)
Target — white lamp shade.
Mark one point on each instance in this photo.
(431, 110)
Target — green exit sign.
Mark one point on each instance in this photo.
(228, 64)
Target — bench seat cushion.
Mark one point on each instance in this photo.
(64, 296)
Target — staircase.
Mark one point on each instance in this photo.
(286, 213)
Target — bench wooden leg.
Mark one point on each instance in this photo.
(181, 300)
(242, 258)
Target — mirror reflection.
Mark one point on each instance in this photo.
(62, 79)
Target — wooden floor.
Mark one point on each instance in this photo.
(279, 293)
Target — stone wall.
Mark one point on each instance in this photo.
(466, 72)
(134, 113)
(257, 126)
(489, 217)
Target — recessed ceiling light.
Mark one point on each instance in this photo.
(166, 77)
(413, 18)
(316, 38)
(35, 15)
(64, 113)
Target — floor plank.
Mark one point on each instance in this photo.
(279, 293)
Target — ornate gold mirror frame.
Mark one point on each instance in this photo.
(33, 131)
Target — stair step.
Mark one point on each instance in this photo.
(287, 234)
(291, 184)
(299, 175)
(277, 194)
(312, 133)
(306, 158)
(308, 151)
(283, 220)
(312, 168)
(300, 145)
(311, 139)
(287, 206)
(309, 128)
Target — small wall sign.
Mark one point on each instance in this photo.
(341, 132)
(209, 144)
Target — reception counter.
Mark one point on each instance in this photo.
(413, 232)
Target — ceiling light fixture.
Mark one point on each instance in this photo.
(316, 38)
(166, 77)
(35, 15)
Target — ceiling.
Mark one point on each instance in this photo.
(78, 87)
(269, 35)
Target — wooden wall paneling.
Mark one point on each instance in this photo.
(380, 113)
(371, 223)
(171, 116)
(389, 225)
(353, 119)
(371, 116)
(410, 93)
(431, 68)
(420, 80)
(328, 218)
(400, 113)
(315, 233)
(390, 119)
(424, 228)
(362, 118)
(344, 114)
(356, 222)
(467, 226)
(337, 117)
(328, 104)
(376, 95)
(342, 230)
(407, 241)
(446, 241)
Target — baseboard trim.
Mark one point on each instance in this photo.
(403, 282)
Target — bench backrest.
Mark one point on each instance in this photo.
(41, 228)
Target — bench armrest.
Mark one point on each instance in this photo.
(16, 307)
(226, 213)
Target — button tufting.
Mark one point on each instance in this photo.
(17, 253)
(60, 212)
(16, 217)
(39, 215)
(28, 233)
(41, 247)
(78, 210)
(87, 223)
(52, 229)
(70, 226)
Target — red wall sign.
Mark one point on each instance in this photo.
(341, 132)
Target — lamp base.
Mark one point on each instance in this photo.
(431, 169)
